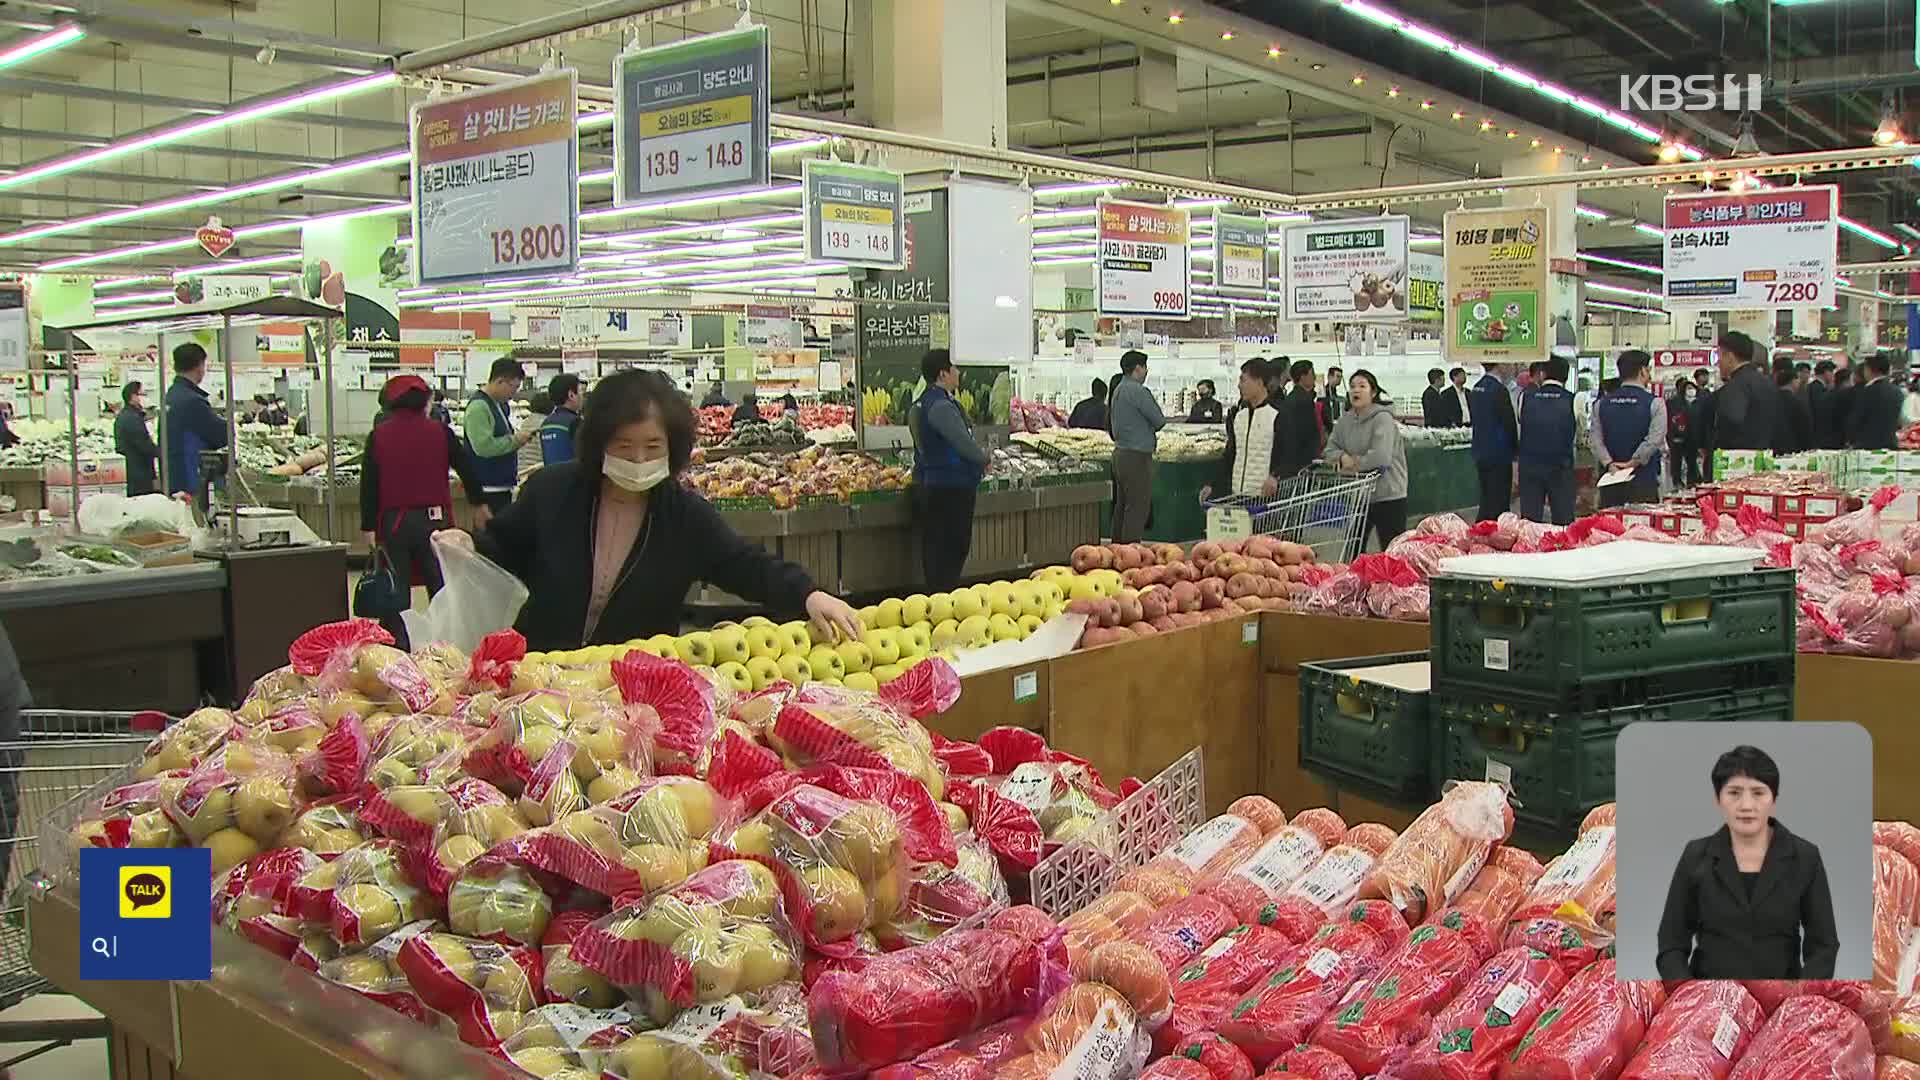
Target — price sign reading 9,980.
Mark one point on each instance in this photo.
(854, 215)
(494, 187)
(1145, 266)
(692, 117)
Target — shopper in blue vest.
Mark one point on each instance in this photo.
(488, 426)
(556, 434)
(947, 467)
(192, 425)
(1629, 424)
(1490, 408)
(1545, 452)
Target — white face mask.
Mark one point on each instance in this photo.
(634, 476)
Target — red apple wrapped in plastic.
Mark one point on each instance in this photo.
(1700, 1032)
(1474, 1034)
(1808, 1038)
(1393, 1009)
(1258, 881)
(1326, 888)
(1590, 1030)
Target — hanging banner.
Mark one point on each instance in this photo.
(1239, 252)
(1496, 285)
(1145, 266)
(13, 327)
(1758, 250)
(1354, 269)
(221, 289)
(853, 214)
(494, 187)
(356, 264)
(771, 327)
(1426, 282)
(691, 117)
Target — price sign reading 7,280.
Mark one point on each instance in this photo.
(692, 117)
(854, 215)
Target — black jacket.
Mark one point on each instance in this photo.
(1746, 411)
(1844, 397)
(1205, 411)
(1703, 421)
(1793, 432)
(1432, 408)
(132, 440)
(1710, 930)
(1826, 429)
(1874, 423)
(1300, 433)
(546, 540)
(1089, 413)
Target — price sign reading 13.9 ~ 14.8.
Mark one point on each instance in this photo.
(692, 117)
(494, 189)
(853, 215)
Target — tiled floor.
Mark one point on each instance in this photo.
(81, 1061)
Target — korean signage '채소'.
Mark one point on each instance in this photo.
(1758, 250)
(1496, 285)
(1145, 266)
(494, 189)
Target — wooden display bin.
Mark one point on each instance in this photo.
(1878, 695)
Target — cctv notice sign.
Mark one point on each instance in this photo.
(854, 214)
(1496, 285)
(494, 182)
(1758, 250)
(1145, 266)
(1239, 253)
(691, 117)
(1354, 270)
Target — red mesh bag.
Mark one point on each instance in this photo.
(1390, 1012)
(1590, 1030)
(1282, 1012)
(970, 1057)
(1472, 1036)
(673, 699)
(1808, 1038)
(1698, 1034)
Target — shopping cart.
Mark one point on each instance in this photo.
(60, 754)
(1321, 508)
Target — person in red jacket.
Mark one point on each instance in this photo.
(405, 496)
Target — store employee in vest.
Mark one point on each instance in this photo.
(488, 426)
(1252, 462)
(1490, 408)
(192, 425)
(1545, 453)
(1629, 423)
(947, 467)
(556, 433)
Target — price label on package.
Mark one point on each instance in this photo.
(854, 214)
(692, 117)
(495, 188)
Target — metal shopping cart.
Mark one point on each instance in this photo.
(60, 755)
(1321, 508)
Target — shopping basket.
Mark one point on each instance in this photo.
(1321, 508)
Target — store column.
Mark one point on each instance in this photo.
(934, 67)
(1563, 241)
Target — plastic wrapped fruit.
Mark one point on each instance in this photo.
(1809, 1037)
(1471, 1037)
(1896, 891)
(1210, 851)
(1090, 1022)
(424, 750)
(498, 900)
(1311, 1063)
(555, 1038)
(844, 727)
(1110, 918)
(940, 898)
(239, 786)
(133, 815)
(1590, 1030)
(1283, 1011)
(1704, 1027)
(1441, 852)
(846, 853)
(1220, 976)
(473, 981)
(1221, 1059)
(1330, 885)
(1259, 880)
(369, 894)
(1578, 886)
(523, 729)
(375, 973)
(721, 1040)
(358, 656)
(1392, 1009)
(325, 828)
(648, 839)
(1496, 891)
(1182, 929)
(565, 979)
(184, 744)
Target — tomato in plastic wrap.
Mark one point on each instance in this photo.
(905, 1003)
(1578, 887)
(1260, 879)
(1393, 1009)
(1896, 889)
(1281, 1012)
(1443, 850)
(1331, 884)
(1570, 946)
(1590, 1030)
(1221, 1059)
(1211, 850)
(1698, 1034)
(1808, 1038)
(1311, 1063)
(1181, 929)
(1471, 1037)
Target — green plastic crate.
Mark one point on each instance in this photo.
(1362, 734)
(1561, 764)
(1551, 643)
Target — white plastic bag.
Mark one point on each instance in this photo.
(107, 515)
(477, 599)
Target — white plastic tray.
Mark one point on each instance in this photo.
(1618, 563)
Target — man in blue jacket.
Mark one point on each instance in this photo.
(192, 425)
(556, 433)
(488, 427)
(1494, 435)
(1629, 424)
(947, 467)
(1545, 453)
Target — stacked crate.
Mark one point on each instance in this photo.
(100, 474)
(1533, 683)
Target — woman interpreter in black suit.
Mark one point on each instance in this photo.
(1751, 900)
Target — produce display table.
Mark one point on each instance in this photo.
(1177, 514)
(1439, 479)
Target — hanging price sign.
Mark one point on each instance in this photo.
(494, 182)
(853, 215)
(1239, 252)
(1758, 250)
(692, 117)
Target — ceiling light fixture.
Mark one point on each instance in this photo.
(1876, 236)
(1888, 133)
(1176, 18)
(1608, 260)
(1359, 80)
(1274, 51)
(136, 251)
(1458, 115)
(1226, 35)
(1669, 151)
(41, 45)
(1393, 91)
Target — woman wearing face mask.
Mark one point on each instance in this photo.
(1366, 438)
(609, 543)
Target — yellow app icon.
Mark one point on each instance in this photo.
(146, 892)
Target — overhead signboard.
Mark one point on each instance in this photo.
(1752, 251)
(1145, 266)
(854, 214)
(220, 289)
(691, 117)
(1496, 285)
(13, 327)
(1239, 253)
(1353, 270)
(495, 190)
(1426, 282)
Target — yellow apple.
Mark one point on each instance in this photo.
(1032, 600)
(854, 657)
(795, 669)
(730, 645)
(915, 640)
(825, 663)
(886, 673)
(664, 646)
(737, 676)
(799, 638)
(752, 621)
(889, 613)
(763, 671)
(1003, 628)
(939, 607)
(884, 645)
(1028, 624)
(766, 640)
(1050, 591)
(966, 604)
(973, 632)
(1054, 611)
(870, 615)
(695, 648)
(914, 609)
(862, 680)
(1108, 581)
(1001, 599)
(945, 634)
(1083, 588)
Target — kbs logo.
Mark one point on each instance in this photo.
(146, 892)
(1691, 93)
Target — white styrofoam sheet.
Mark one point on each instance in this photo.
(1055, 638)
(1617, 563)
(1415, 675)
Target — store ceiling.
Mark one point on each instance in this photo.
(1286, 103)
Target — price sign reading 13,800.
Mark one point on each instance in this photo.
(529, 244)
